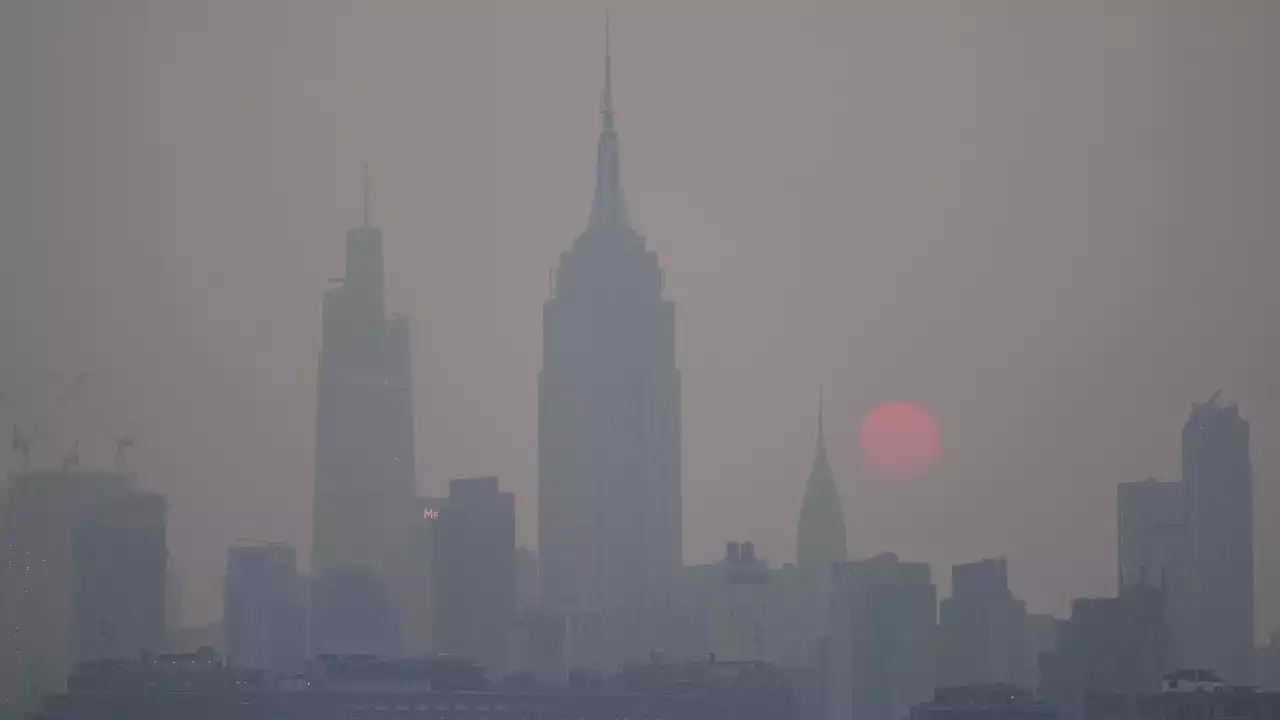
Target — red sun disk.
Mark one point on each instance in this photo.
(900, 438)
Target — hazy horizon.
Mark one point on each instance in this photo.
(1055, 227)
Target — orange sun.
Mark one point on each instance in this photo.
(900, 438)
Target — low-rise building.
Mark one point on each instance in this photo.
(201, 687)
(1202, 695)
(983, 702)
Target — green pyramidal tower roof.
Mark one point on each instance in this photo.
(820, 536)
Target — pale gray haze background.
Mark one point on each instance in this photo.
(1055, 224)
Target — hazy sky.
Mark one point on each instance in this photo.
(1056, 224)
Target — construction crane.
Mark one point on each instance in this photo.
(22, 439)
(68, 393)
(123, 442)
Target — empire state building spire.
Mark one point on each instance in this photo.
(606, 96)
(608, 207)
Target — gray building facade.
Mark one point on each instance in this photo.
(474, 594)
(365, 486)
(83, 573)
(1111, 648)
(882, 647)
(1218, 472)
(120, 556)
(609, 477)
(983, 629)
(263, 610)
(1152, 551)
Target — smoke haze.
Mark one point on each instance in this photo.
(1054, 225)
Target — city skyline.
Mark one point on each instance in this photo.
(748, 425)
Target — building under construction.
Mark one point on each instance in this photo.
(83, 573)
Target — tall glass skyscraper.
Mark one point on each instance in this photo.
(365, 484)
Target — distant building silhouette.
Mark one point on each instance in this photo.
(1152, 532)
(526, 579)
(474, 585)
(175, 589)
(120, 555)
(882, 647)
(1042, 638)
(1218, 473)
(83, 573)
(263, 611)
(982, 629)
(555, 646)
(740, 609)
(1267, 670)
(1197, 694)
(1111, 648)
(1152, 549)
(609, 476)
(365, 485)
(983, 702)
(419, 579)
(820, 533)
(540, 645)
(353, 612)
(354, 686)
(821, 543)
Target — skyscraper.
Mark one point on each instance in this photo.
(820, 534)
(609, 479)
(882, 646)
(1151, 532)
(737, 604)
(983, 628)
(1042, 639)
(474, 588)
(1218, 474)
(1151, 550)
(419, 579)
(1111, 646)
(821, 544)
(262, 609)
(364, 465)
(526, 579)
(120, 552)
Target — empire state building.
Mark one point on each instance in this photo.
(609, 478)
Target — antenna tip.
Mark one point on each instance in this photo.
(366, 193)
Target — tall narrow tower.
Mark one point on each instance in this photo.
(1218, 473)
(364, 462)
(609, 488)
(820, 534)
